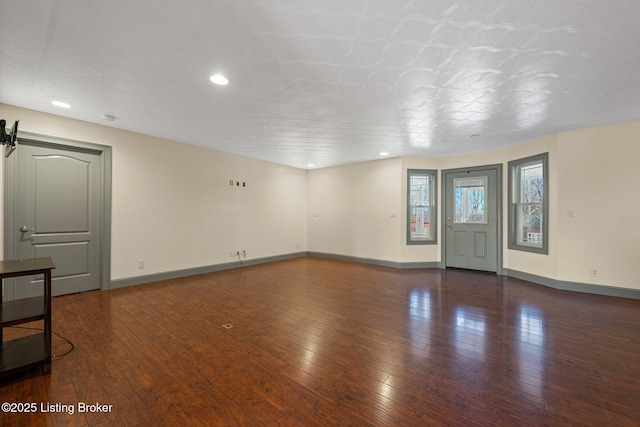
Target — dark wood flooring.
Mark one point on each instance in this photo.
(333, 343)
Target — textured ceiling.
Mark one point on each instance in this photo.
(327, 82)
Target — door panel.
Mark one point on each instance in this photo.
(460, 243)
(57, 206)
(480, 244)
(72, 258)
(61, 186)
(471, 212)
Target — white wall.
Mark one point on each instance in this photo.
(172, 205)
(598, 180)
(356, 210)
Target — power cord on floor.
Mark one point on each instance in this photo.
(54, 333)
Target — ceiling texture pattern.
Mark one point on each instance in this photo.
(327, 82)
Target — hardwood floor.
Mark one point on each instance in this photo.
(326, 342)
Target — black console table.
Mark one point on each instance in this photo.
(34, 350)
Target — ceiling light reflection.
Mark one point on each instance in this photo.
(386, 400)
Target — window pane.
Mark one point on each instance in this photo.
(530, 220)
(470, 200)
(419, 190)
(531, 183)
(530, 210)
(419, 185)
(420, 227)
(527, 217)
(420, 195)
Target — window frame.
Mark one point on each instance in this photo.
(432, 175)
(514, 195)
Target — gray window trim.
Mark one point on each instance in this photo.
(433, 206)
(513, 166)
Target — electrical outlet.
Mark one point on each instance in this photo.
(141, 264)
(244, 253)
(593, 272)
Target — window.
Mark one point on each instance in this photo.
(528, 204)
(470, 200)
(421, 209)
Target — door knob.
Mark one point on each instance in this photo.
(24, 229)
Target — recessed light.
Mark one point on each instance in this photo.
(61, 104)
(475, 135)
(108, 117)
(384, 153)
(219, 79)
(310, 165)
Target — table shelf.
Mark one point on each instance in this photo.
(23, 353)
(22, 311)
(32, 351)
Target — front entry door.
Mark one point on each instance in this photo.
(56, 213)
(471, 219)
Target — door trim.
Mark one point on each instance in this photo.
(499, 210)
(104, 151)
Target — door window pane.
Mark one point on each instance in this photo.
(470, 200)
